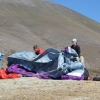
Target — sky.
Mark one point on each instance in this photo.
(88, 8)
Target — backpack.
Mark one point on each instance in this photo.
(86, 74)
(96, 78)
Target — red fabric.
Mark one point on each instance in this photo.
(12, 75)
(39, 50)
(4, 75)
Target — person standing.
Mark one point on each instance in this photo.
(76, 47)
(2, 56)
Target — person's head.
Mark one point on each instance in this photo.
(74, 41)
(35, 47)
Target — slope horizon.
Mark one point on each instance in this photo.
(86, 8)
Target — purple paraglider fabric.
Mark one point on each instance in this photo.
(71, 77)
(15, 68)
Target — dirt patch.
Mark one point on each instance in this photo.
(37, 89)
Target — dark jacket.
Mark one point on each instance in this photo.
(77, 49)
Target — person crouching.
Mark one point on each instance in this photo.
(38, 50)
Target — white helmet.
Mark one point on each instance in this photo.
(74, 40)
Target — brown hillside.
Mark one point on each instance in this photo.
(24, 23)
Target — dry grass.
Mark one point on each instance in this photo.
(4, 64)
(38, 89)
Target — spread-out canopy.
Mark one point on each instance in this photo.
(51, 63)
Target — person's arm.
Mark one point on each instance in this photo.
(78, 50)
(37, 51)
(71, 46)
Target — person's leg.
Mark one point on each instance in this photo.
(82, 59)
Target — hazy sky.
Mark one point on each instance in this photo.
(89, 8)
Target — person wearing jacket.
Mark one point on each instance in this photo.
(38, 50)
(76, 47)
